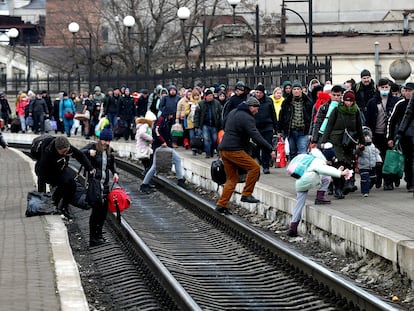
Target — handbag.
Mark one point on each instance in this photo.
(93, 191)
(29, 121)
(218, 175)
(69, 115)
(143, 152)
(53, 123)
(348, 138)
(394, 161)
(177, 130)
(48, 125)
(118, 201)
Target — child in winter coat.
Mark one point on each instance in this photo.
(318, 172)
(368, 159)
(143, 139)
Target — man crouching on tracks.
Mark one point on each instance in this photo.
(52, 168)
(239, 128)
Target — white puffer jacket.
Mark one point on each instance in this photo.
(311, 178)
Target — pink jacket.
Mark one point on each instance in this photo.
(143, 136)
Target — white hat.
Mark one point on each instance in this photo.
(327, 87)
(150, 116)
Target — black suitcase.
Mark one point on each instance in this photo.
(15, 126)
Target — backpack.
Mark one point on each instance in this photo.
(299, 165)
(38, 144)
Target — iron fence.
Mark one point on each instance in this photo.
(270, 76)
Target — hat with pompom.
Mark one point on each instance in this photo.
(106, 133)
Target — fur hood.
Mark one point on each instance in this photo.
(144, 121)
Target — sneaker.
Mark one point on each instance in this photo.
(249, 199)
(96, 242)
(266, 171)
(181, 183)
(145, 188)
(365, 195)
(223, 210)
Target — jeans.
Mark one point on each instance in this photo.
(233, 160)
(23, 123)
(176, 159)
(113, 119)
(67, 124)
(298, 143)
(263, 154)
(210, 139)
(300, 204)
(38, 122)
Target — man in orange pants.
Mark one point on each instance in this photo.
(239, 128)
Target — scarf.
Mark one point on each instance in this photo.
(348, 110)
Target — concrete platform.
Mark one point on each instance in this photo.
(37, 269)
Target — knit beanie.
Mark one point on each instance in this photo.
(365, 73)
(349, 95)
(106, 133)
(61, 142)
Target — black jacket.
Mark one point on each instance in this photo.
(51, 164)
(96, 162)
(240, 127)
(407, 124)
(286, 114)
(201, 114)
(266, 116)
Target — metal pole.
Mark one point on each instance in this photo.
(203, 47)
(283, 24)
(377, 63)
(90, 62)
(29, 63)
(310, 34)
(257, 37)
(234, 13)
(147, 63)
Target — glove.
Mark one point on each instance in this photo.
(116, 177)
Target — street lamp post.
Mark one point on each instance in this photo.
(74, 28)
(183, 14)
(13, 33)
(308, 34)
(129, 22)
(234, 4)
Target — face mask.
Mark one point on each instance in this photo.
(384, 93)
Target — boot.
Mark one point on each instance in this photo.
(348, 187)
(320, 198)
(293, 230)
(63, 209)
(145, 188)
(95, 236)
(338, 186)
(331, 188)
(181, 183)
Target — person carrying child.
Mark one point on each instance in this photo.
(369, 159)
(318, 172)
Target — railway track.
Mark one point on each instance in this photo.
(172, 251)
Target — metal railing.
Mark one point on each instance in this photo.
(270, 75)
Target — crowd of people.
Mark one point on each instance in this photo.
(360, 120)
